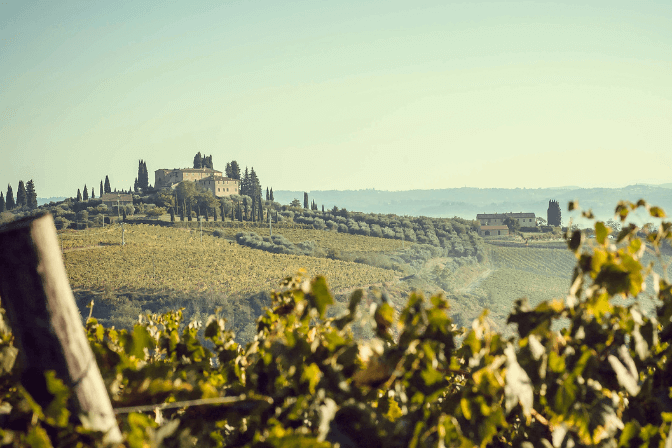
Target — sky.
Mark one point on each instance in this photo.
(319, 95)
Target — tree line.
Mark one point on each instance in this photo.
(26, 196)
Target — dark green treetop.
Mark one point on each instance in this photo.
(9, 199)
(21, 200)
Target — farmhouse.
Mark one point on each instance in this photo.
(493, 230)
(220, 186)
(205, 177)
(165, 178)
(493, 219)
(112, 199)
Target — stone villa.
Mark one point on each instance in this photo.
(493, 219)
(206, 177)
(493, 223)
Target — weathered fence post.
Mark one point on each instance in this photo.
(45, 322)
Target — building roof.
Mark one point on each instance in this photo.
(494, 228)
(504, 215)
(191, 170)
(112, 197)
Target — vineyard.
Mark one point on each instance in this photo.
(589, 370)
(172, 259)
(546, 262)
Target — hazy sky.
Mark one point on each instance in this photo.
(338, 94)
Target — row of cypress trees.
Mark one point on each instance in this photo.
(106, 188)
(25, 197)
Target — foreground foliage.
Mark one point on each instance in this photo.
(584, 371)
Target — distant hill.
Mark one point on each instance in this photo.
(42, 201)
(467, 202)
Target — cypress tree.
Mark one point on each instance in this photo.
(85, 195)
(222, 215)
(172, 214)
(198, 160)
(245, 184)
(143, 176)
(272, 195)
(31, 194)
(206, 214)
(305, 200)
(268, 197)
(189, 212)
(240, 213)
(233, 217)
(322, 208)
(108, 189)
(93, 192)
(254, 184)
(2, 202)
(123, 214)
(21, 195)
(79, 195)
(182, 213)
(261, 210)
(101, 191)
(228, 171)
(254, 209)
(9, 200)
(235, 170)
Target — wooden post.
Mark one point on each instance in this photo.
(41, 309)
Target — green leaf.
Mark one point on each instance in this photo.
(657, 212)
(384, 317)
(321, 296)
(312, 374)
(601, 232)
(57, 412)
(556, 362)
(37, 437)
(630, 431)
(393, 411)
(137, 429)
(466, 408)
(574, 242)
(431, 376)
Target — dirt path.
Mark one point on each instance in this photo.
(477, 281)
